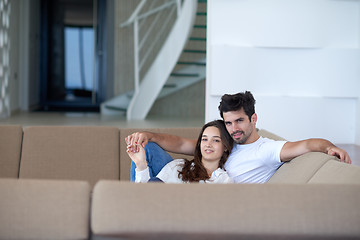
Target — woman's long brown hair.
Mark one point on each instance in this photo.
(194, 170)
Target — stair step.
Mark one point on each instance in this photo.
(201, 14)
(116, 108)
(192, 63)
(200, 26)
(197, 39)
(194, 51)
(169, 85)
(184, 75)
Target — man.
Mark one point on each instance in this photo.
(253, 159)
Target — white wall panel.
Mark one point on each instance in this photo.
(286, 71)
(300, 58)
(284, 23)
(297, 118)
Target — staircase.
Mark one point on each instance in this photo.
(188, 68)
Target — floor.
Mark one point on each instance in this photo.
(95, 119)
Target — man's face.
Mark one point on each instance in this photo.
(239, 126)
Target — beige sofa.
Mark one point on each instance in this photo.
(63, 183)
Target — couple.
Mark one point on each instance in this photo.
(253, 159)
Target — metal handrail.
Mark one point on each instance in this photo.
(165, 60)
(138, 44)
(134, 16)
(156, 10)
(147, 54)
(151, 6)
(152, 25)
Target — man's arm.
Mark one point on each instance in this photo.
(168, 142)
(294, 149)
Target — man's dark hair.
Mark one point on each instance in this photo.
(235, 102)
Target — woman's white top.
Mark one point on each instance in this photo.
(170, 174)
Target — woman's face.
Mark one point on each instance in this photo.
(211, 144)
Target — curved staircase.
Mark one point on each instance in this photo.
(168, 72)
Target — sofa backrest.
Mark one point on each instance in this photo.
(225, 211)
(267, 134)
(125, 161)
(94, 152)
(10, 150)
(44, 209)
(69, 152)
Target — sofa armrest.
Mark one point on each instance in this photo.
(44, 209)
(336, 172)
(221, 211)
(301, 169)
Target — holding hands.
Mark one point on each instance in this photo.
(135, 140)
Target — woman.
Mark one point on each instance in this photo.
(213, 147)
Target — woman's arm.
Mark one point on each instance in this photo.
(142, 173)
(139, 158)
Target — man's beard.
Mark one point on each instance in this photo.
(242, 140)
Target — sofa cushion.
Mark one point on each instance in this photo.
(44, 209)
(230, 211)
(10, 149)
(69, 152)
(301, 169)
(337, 172)
(125, 161)
(267, 134)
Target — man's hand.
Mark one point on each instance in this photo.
(134, 140)
(339, 153)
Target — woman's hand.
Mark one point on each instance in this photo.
(139, 158)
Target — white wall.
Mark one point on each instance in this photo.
(300, 59)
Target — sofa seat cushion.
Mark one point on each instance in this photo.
(71, 153)
(334, 172)
(44, 209)
(10, 149)
(225, 211)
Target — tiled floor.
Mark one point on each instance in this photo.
(77, 119)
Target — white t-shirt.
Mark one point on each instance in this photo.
(255, 162)
(170, 174)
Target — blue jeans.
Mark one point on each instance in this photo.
(156, 158)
